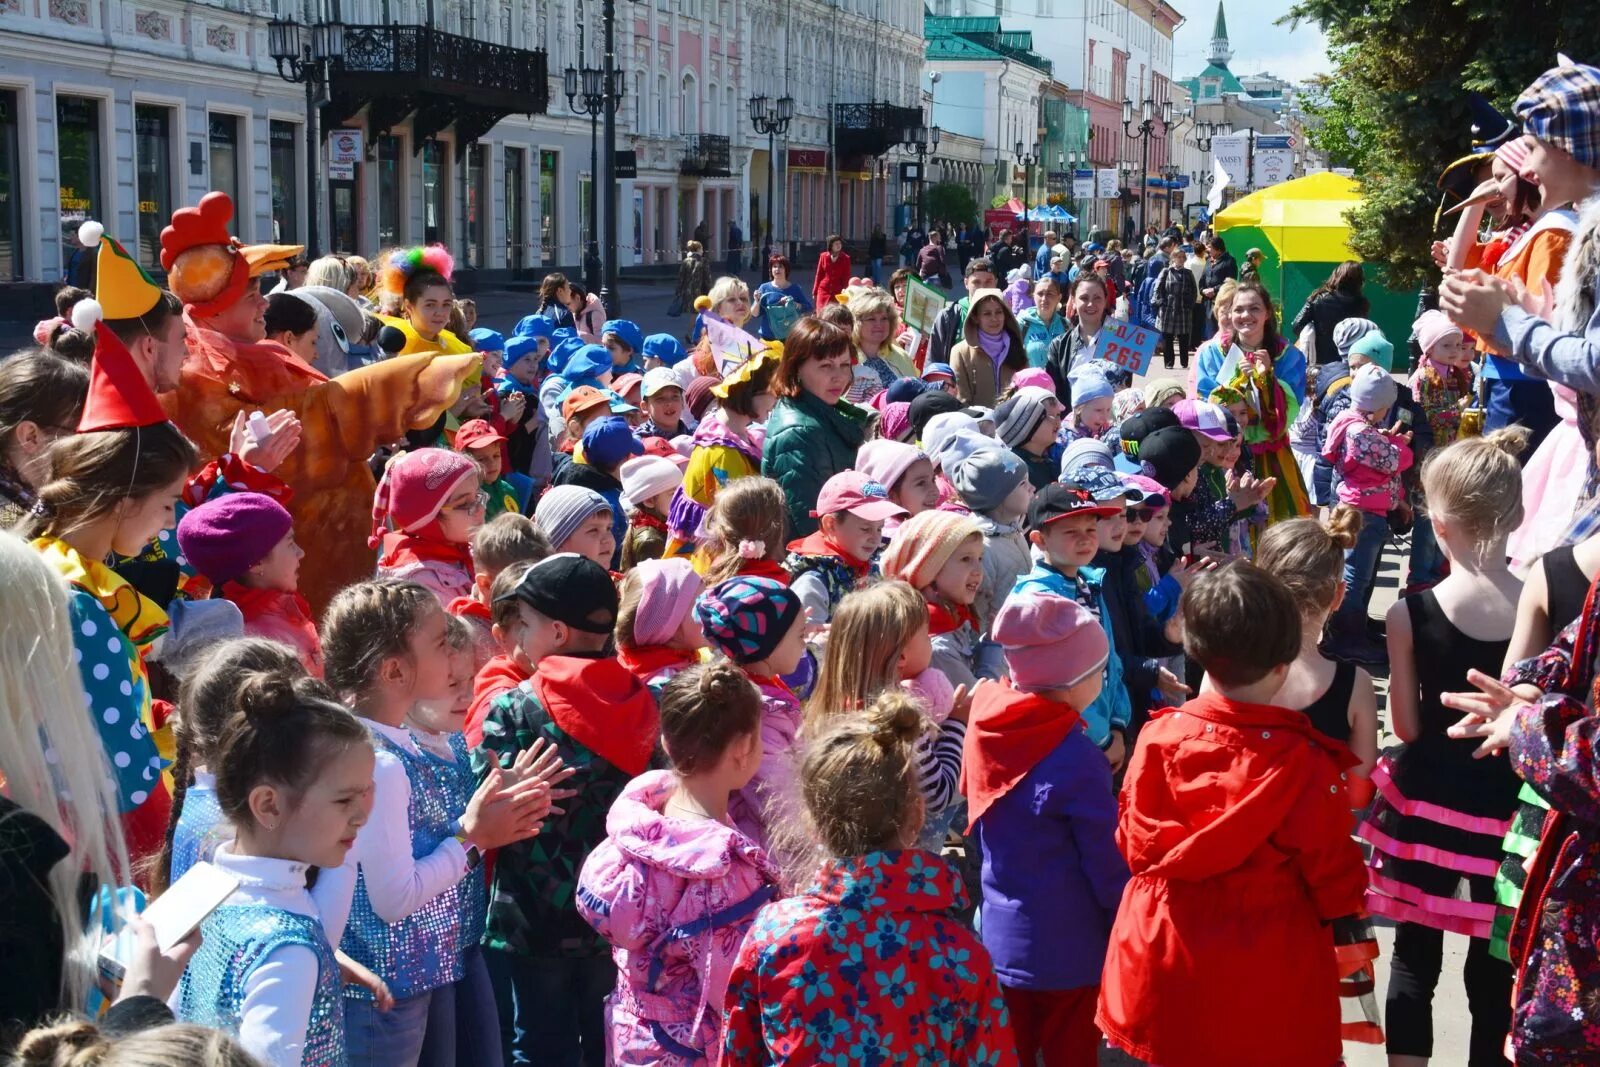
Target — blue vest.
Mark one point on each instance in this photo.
(201, 828)
(237, 938)
(422, 951)
(474, 887)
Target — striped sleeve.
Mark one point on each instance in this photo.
(939, 765)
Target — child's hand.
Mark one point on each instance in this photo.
(500, 813)
(354, 973)
(1183, 571)
(1246, 490)
(961, 704)
(282, 439)
(540, 762)
(151, 972)
(1490, 712)
(1117, 750)
(1171, 686)
(513, 407)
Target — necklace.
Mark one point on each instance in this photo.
(690, 809)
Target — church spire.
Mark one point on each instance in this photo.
(1221, 51)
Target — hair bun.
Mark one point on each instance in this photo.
(1512, 440)
(272, 692)
(1342, 525)
(895, 718)
(721, 683)
(68, 1044)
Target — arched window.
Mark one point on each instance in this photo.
(691, 103)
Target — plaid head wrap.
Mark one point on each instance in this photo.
(1562, 106)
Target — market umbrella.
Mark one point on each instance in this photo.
(1301, 228)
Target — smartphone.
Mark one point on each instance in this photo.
(1404, 416)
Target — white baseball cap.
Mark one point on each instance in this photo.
(659, 378)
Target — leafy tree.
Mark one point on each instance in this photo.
(952, 203)
(1395, 109)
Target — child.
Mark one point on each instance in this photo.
(1237, 832)
(508, 539)
(1442, 388)
(1027, 422)
(196, 826)
(993, 482)
(759, 624)
(662, 350)
(485, 446)
(1369, 460)
(1440, 813)
(630, 387)
(940, 555)
(603, 722)
(530, 428)
(851, 510)
(576, 519)
(387, 650)
(657, 633)
(294, 774)
(623, 339)
(1044, 813)
(607, 443)
(1307, 556)
(940, 376)
(1064, 531)
(424, 513)
(662, 394)
(887, 634)
(870, 951)
(743, 533)
(992, 350)
(508, 667)
(648, 485)
(243, 544)
(674, 887)
(1092, 393)
(491, 345)
(905, 471)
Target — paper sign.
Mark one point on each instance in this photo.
(1128, 346)
(730, 346)
(344, 146)
(1230, 366)
(923, 305)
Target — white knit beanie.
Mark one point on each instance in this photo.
(644, 477)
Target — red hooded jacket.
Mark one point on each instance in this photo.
(500, 675)
(1236, 826)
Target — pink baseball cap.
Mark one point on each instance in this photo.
(858, 494)
(1206, 419)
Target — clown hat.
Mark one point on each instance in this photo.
(206, 266)
(119, 396)
(121, 286)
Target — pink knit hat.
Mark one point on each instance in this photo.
(414, 488)
(887, 461)
(1433, 327)
(896, 421)
(670, 589)
(1050, 642)
(1036, 376)
(924, 543)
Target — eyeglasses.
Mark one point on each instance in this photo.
(479, 502)
(1141, 514)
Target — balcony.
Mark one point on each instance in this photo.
(707, 155)
(438, 79)
(871, 129)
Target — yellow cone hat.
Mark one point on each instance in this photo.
(121, 286)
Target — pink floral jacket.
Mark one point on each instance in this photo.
(1369, 462)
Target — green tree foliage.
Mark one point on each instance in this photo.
(1395, 108)
(952, 203)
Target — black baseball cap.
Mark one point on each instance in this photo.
(1060, 499)
(572, 589)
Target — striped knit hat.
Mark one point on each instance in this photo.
(565, 508)
(414, 488)
(746, 617)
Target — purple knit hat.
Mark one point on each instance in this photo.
(746, 617)
(1050, 642)
(670, 589)
(895, 422)
(225, 537)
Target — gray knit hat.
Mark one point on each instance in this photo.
(563, 509)
(1349, 331)
(987, 476)
(1019, 417)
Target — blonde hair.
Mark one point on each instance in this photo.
(1476, 483)
(630, 596)
(864, 302)
(50, 750)
(726, 288)
(872, 626)
(1222, 303)
(858, 778)
(747, 509)
(83, 1044)
(1307, 556)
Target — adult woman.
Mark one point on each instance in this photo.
(1043, 322)
(833, 271)
(1091, 301)
(41, 397)
(1337, 299)
(730, 302)
(779, 289)
(694, 278)
(588, 314)
(331, 271)
(813, 432)
(879, 361)
(991, 351)
(421, 277)
(292, 322)
(1173, 299)
(553, 295)
(1219, 267)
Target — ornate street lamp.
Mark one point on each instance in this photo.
(308, 57)
(771, 118)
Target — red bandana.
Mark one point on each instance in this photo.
(764, 568)
(943, 620)
(820, 544)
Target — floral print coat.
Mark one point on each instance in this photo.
(867, 967)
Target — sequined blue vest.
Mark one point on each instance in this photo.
(201, 828)
(237, 939)
(474, 887)
(423, 950)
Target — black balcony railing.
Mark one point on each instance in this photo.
(438, 79)
(871, 129)
(707, 154)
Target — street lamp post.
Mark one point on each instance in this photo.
(308, 58)
(1027, 160)
(584, 97)
(1169, 174)
(615, 83)
(771, 119)
(1147, 127)
(593, 92)
(922, 140)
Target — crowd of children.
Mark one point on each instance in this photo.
(1056, 733)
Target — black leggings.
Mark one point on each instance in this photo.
(1174, 343)
(1414, 972)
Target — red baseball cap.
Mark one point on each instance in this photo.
(477, 433)
(862, 497)
(660, 446)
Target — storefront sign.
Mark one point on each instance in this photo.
(1106, 184)
(344, 147)
(1083, 185)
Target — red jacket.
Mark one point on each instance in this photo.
(833, 276)
(280, 616)
(500, 675)
(1236, 826)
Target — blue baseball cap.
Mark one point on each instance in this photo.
(486, 340)
(627, 332)
(535, 326)
(905, 390)
(1103, 484)
(665, 347)
(609, 441)
(521, 347)
(933, 369)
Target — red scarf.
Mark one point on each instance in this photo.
(467, 607)
(943, 620)
(770, 681)
(602, 706)
(648, 661)
(820, 544)
(1008, 733)
(288, 609)
(404, 550)
(764, 568)
(643, 519)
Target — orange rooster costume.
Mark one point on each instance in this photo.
(343, 420)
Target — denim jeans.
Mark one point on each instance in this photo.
(1361, 568)
(463, 1023)
(1427, 560)
(390, 1038)
(558, 1010)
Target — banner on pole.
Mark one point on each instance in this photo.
(1083, 185)
(1106, 183)
(923, 305)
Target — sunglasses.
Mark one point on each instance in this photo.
(1141, 514)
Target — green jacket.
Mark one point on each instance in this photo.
(809, 442)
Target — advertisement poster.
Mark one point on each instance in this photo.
(1106, 183)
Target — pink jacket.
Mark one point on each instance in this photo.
(444, 580)
(674, 897)
(1369, 462)
(775, 789)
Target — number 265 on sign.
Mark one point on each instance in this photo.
(1128, 346)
